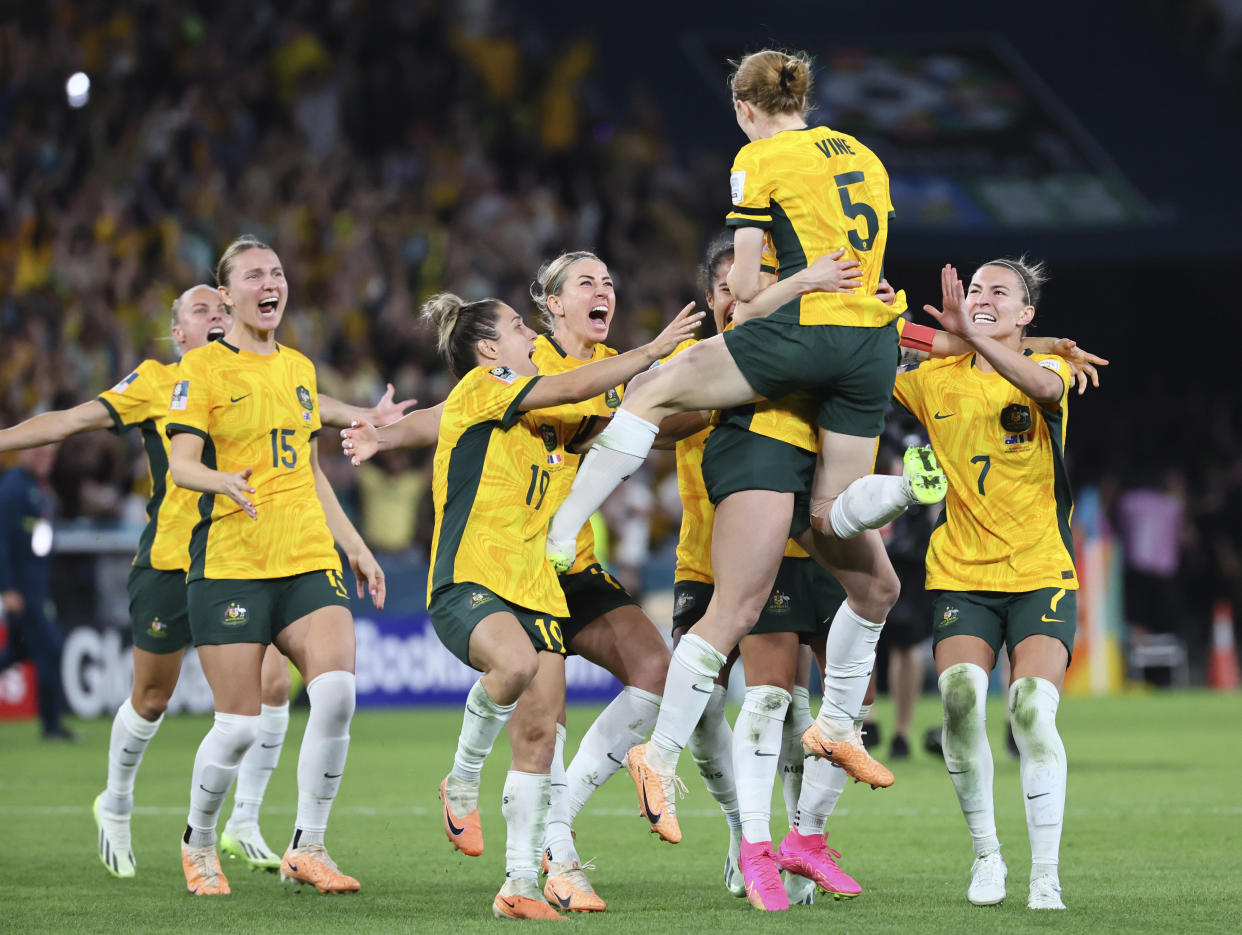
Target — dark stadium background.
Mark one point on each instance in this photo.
(452, 115)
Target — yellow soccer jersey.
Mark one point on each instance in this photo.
(494, 490)
(817, 191)
(1006, 522)
(257, 411)
(141, 401)
(582, 417)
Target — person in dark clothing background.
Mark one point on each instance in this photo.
(26, 507)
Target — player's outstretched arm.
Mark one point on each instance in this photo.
(363, 440)
(366, 569)
(591, 379)
(48, 427)
(185, 464)
(337, 414)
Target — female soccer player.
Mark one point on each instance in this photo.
(818, 191)
(158, 621)
(243, 420)
(1001, 566)
(493, 599)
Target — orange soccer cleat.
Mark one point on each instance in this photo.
(850, 755)
(465, 834)
(520, 899)
(657, 794)
(203, 876)
(568, 888)
(311, 864)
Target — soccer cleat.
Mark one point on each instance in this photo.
(800, 890)
(465, 834)
(808, 855)
(520, 899)
(657, 794)
(923, 481)
(115, 849)
(762, 874)
(203, 876)
(1045, 892)
(568, 888)
(733, 871)
(900, 749)
(247, 842)
(987, 880)
(311, 864)
(561, 554)
(850, 755)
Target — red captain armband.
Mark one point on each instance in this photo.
(917, 337)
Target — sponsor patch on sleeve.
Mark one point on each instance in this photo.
(124, 384)
(503, 374)
(737, 186)
(180, 395)
(1051, 364)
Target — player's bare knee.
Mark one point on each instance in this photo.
(150, 701)
(510, 677)
(276, 686)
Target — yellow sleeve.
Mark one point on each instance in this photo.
(767, 260)
(908, 390)
(132, 400)
(1058, 366)
(495, 395)
(751, 191)
(189, 409)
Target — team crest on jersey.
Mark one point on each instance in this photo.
(612, 399)
(548, 434)
(304, 398)
(779, 603)
(180, 395)
(949, 616)
(1016, 418)
(478, 599)
(124, 384)
(234, 614)
(503, 374)
(158, 629)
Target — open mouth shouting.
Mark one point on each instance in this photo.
(215, 333)
(269, 308)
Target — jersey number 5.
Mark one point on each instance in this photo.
(857, 209)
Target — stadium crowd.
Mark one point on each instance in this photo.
(427, 146)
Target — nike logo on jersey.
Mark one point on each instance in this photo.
(947, 415)
(237, 399)
(1046, 619)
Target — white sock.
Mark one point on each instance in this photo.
(258, 765)
(822, 785)
(525, 809)
(625, 723)
(215, 767)
(560, 840)
(756, 748)
(711, 746)
(790, 764)
(850, 657)
(687, 689)
(618, 452)
(325, 746)
(481, 724)
(1033, 715)
(870, 502)
(967, 755)
(131, 733)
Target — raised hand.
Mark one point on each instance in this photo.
(1082, 363)
(953, 296)
(386, 411)
(678, 330)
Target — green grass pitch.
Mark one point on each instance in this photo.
(1152, 843)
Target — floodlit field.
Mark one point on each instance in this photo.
(1153, 837)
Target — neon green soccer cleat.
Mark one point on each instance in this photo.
(924, 481)
(246, 843)
(115, 850)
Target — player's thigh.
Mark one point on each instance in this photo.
(861, 566)
(704, 376)
(320, 641)
(276, 680)
(842, 460)
(967, 627)
(770, 659)
(533, 741)
(748, 544)
(626, 643)
(232, 672)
